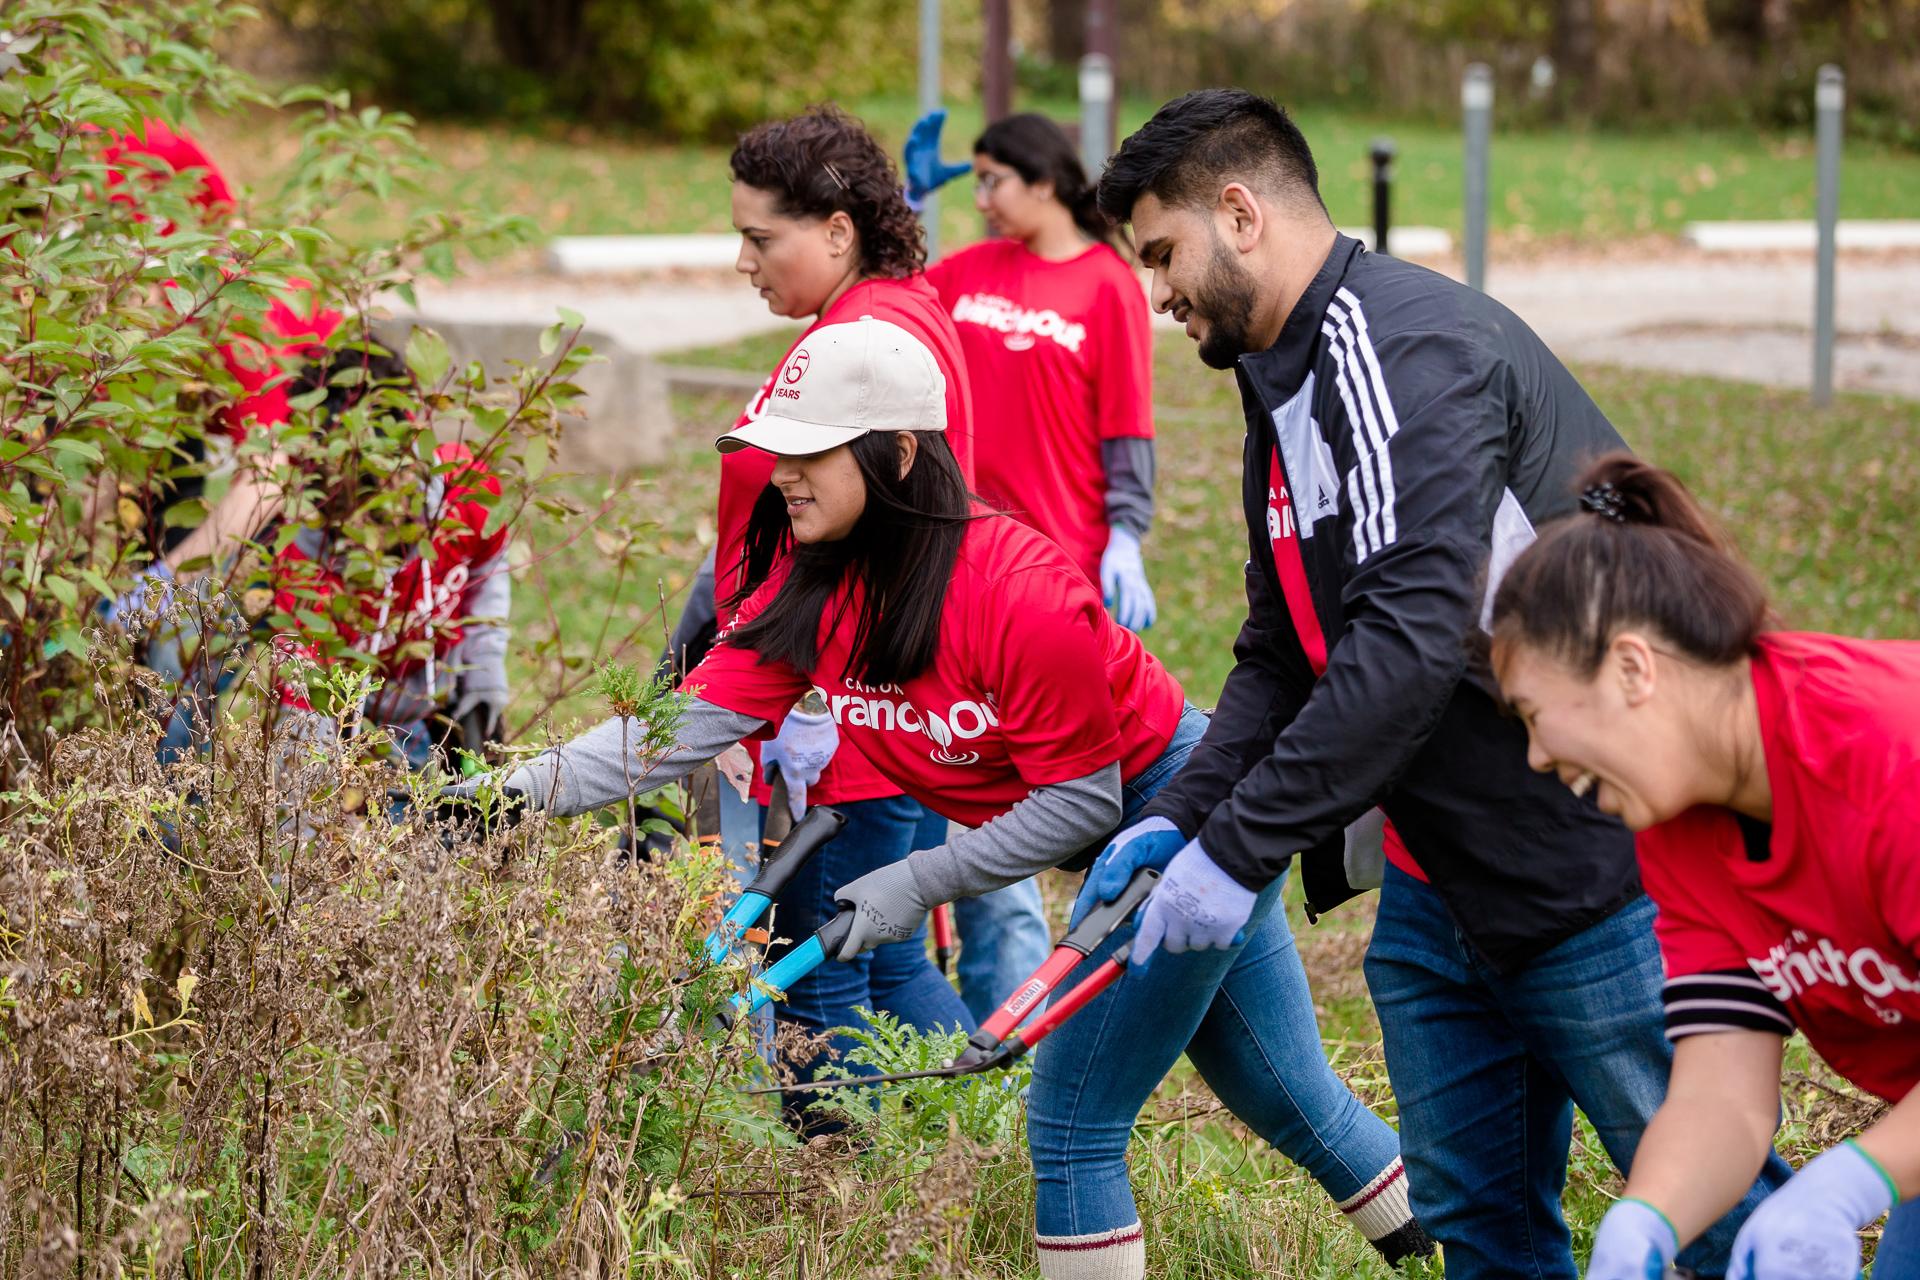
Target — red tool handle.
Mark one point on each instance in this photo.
(1070, 1003)
(943, 936)
(1003, 1020)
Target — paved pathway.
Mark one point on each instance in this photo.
(1740, 318)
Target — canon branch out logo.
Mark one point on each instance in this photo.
(797, 367)
(942, 734)
(964, 721)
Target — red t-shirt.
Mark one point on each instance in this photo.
(1284, 534)
(1033, 683)
(1061, 359)
(744, 474)
(125, 156)
(422, 606)
(264, 369)
(1829, 921)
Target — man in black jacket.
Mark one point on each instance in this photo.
(1405, 435)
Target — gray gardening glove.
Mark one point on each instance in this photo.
(888, 905)
(481, 682)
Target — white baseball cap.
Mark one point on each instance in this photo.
(841, 382)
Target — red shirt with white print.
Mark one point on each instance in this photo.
(745, 474)
(1033, 683)
(1061, 358)
(1815, 924)
(420, 609)
(1284, 533)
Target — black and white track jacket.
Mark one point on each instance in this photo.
(1425, 432)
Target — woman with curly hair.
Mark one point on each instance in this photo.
(826, 236)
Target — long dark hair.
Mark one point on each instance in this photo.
(822, 162)
(1039, 151)
(1640, 553)
(901, 552)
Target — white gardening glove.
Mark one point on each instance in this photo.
(1635, 1242)
(1123, 581)
(1810, 1228)
(888, 905)
(735, 767)
(801, 750)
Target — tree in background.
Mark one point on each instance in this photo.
(671, 68)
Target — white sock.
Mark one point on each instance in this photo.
(1380, 1208)
(1120, 1254)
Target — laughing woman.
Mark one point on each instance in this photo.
(1774, 778)
(971, 662)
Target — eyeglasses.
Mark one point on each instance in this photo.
(990, 182)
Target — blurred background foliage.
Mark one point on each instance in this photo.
(704, 69)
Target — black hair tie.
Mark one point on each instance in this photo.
(1605, 500)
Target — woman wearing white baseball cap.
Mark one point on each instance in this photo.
(972, 662)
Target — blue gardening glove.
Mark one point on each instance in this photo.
(1151, 842)
(925, 173)
(888, 905)
(1809, 1229)
(151, 592)
(800, 751)
(1123, 581)
(1195, 907)
(1635, 1242)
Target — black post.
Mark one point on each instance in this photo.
(1383, 153)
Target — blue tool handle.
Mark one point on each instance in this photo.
(739, 918)
(795, 965)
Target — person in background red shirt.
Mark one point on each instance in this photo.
(1774, 780)
(1055, 329)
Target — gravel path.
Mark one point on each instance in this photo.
(1744, 318)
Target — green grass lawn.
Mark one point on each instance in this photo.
(1546, 184)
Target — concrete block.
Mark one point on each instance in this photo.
(1764, 237)
(628, 412)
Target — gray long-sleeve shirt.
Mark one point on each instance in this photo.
(1049, 825)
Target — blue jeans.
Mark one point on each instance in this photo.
(198, 677)
(1244, 1017)
(1898, 1255)
(1487, 1069)
(895, 977)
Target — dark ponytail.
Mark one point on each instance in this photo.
(902, 553)
(1640, 553)
(1039, 151)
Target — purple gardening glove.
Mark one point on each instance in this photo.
(1195, 907)
(1810, 1228)
(1635, 1242)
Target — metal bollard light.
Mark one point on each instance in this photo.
(1476, 107)
(1096, 113)
(930, 101)
(1829, 108)
(1382, 153)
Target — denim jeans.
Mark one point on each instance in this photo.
(1898, 1254)
(1487, 1069)
(896, 977)
(197, 678)
(1244, 1017)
